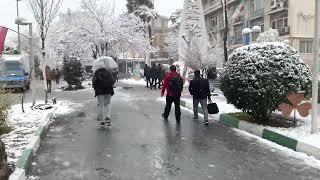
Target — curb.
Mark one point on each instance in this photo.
(265, 133)
(25, 159)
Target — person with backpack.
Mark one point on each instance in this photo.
(173, 84)
(199, 89)
(161, 74)
(102, 83)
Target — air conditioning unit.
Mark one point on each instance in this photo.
(285, 30)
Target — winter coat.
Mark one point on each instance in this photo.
(146, 71)
(154, 72)
(48, 71)
(103, 82)
(199, 88)
(160, 73)
(166, 84)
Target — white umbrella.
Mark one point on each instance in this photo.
(105, 62)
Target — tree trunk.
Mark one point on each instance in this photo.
(4, 168)
(225, 38)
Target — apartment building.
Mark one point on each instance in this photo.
(294, 19)
(159, 31)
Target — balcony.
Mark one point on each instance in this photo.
(278, 5)
(213, 5)
(257, 14)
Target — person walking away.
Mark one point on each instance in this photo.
(199, 89)
(173, 84)
(102, 83)
(154, 76)
(53, 75)
(146, 73)
(160, 75)
(57, 76)
(212, 75)
(48, 78)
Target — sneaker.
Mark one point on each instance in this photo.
(108, 121)
(206, 123)
(102, 123)
(165, 118)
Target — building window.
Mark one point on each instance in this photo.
(279, 23)
(305, 46)
(256, 5)
(213, 21)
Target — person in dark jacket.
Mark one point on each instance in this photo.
(146, 73)
(154, 76)
(161, 74)
(171, 97)
(199, 89)
(103, 82)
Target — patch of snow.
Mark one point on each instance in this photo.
(24, 126)
(133, 82)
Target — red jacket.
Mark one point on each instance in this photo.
(166, 83)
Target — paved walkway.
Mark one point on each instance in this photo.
(140, 145)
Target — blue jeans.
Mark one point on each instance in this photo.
(104, 102)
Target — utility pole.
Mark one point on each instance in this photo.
(19, 38)
(315, 123)
(226, 29)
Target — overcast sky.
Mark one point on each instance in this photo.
(8, 9)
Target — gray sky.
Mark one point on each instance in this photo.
(8, 9)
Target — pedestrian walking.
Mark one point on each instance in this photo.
(103, 82)
(199, 89)
(48, 78)
(212, 75)
(154, 76)
(173, 84)
(57, 75)
(146, 73)
(161, 74)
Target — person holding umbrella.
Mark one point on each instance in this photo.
(103, 84)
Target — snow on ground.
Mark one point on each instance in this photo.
(24, 126)
(133, 81)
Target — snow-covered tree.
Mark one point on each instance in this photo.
(175, 20)
(98, 28)
(142, 8)
(272, 35)
(257, 78)
(171, 45)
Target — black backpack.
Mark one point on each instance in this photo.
(176, 84)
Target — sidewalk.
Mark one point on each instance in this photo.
(300, 137)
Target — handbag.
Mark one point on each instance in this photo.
(213, 108)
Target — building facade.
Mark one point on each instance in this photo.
(294, 20)
(159, 31)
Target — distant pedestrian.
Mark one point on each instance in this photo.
(161, 74)
(146, 73)
(212, 75)
(103, 82)
(199, 89)
(57, 75)
(48, 78)
(154, 76)
(173, 84)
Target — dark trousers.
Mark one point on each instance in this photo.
(169, 101)
(57, 80)
(153, 83)
(49, 86)
(148, 79)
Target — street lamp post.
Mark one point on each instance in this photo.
(19, 38)
(23, 22)
(314, 127)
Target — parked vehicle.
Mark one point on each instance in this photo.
(15, 72)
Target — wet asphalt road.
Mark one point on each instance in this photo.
(140, 145)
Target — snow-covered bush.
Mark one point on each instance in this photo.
(272, 35)
(257, 78)
(73, 71)
(3, 108)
